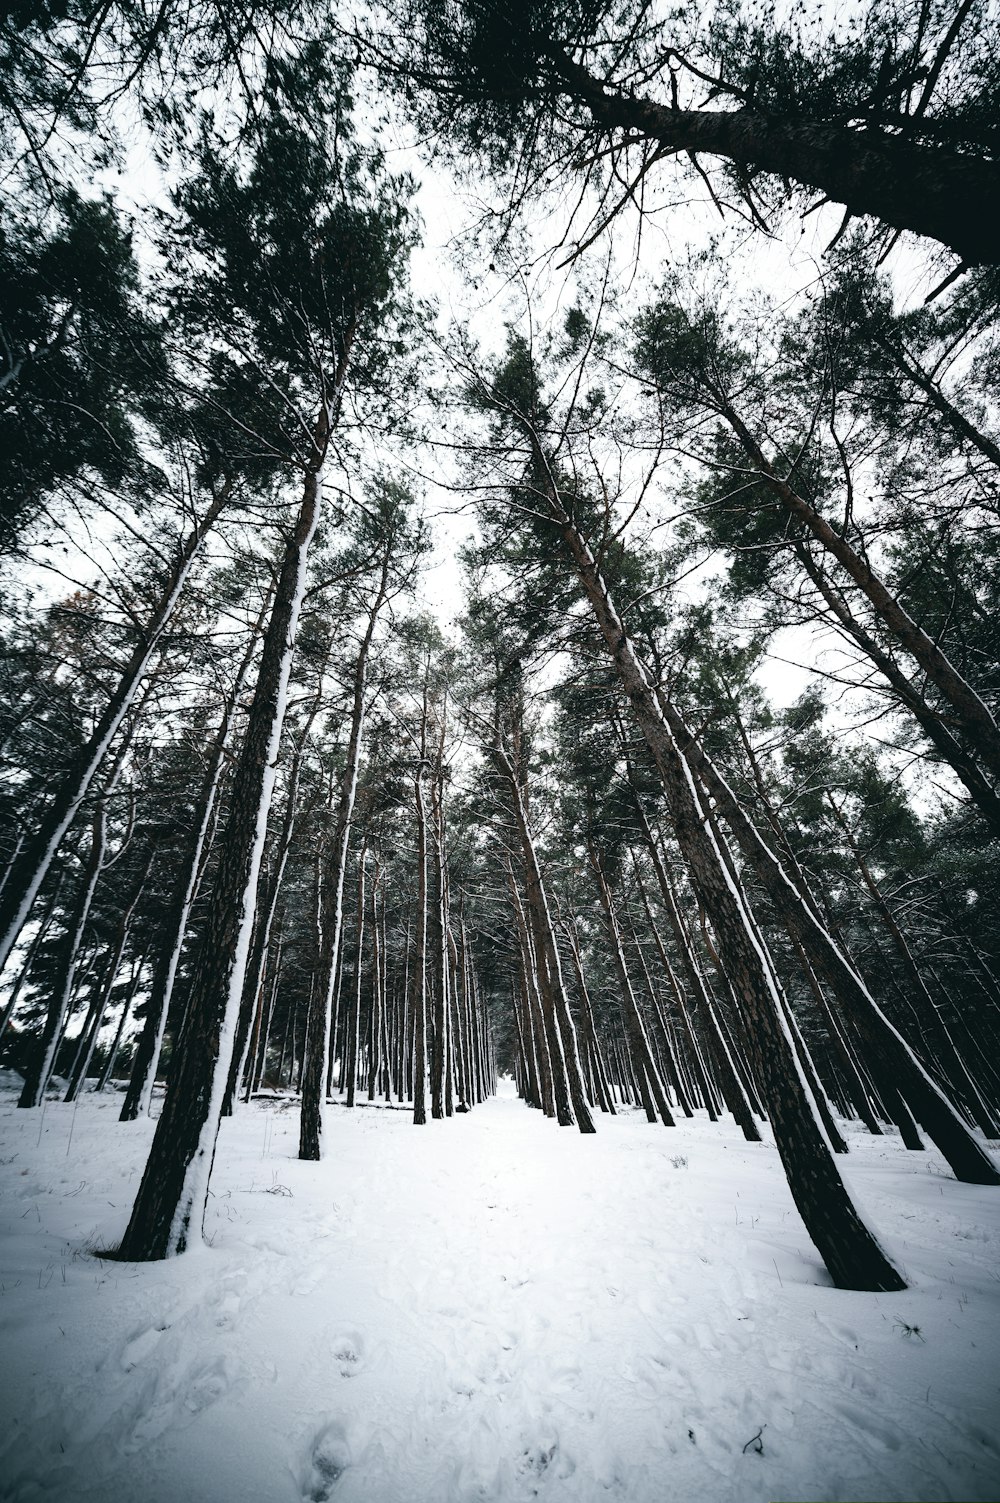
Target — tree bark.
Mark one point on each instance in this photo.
(311, 1122)
(43, 1060)
(926, 188)
(35, 858)
(170, 1206)
(147, 1056)
(847, 1246)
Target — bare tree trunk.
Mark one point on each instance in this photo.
(170, 1206)
(109, 1063)
(419, 978)
(37, 1075)
(849, 1249)
(354, 1017)
(598, 1071)
(647, 1076)
(895, 1059)
(95, 1017)
(568, 1076)
(28, 872)
(33, 949)
(320, 1020)
(147, 1056)
(949, 1058)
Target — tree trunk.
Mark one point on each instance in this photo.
(927, 188)
(599, 1074)
(33, 949)
(109, 1063)
(37, 1075)
(28, 872)
(95, 1017)
(147, 1056)
(353, 1046)
(314, 1077)
(554, 1000)
(419, 977)
(647, 1076)
(170, 1206)
(895, 1059)
(847, 1246)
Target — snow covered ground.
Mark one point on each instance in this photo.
(488, 1308)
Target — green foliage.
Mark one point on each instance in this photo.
(80, 357)
(295, 267)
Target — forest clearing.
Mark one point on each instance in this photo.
(499, 1310)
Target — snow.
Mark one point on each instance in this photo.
(489, 1308)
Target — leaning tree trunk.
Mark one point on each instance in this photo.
(320, 1020)
(28, 872)
(147, 1055)
(895, 1059)
(555, 1002)
(668, 1061)
(698, 1064)
(851, 1252)
(922, 186)
(95, 1016)
(112, 1055)
(651, 1091)
(952, 1065)
(730, 1084)
(554, 1087)
(599, 1075)
(265, 907)
(170, 1206)
(36, 944)
(43, 1060)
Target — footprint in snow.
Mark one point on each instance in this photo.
(545, 1459)
(140, 1346)
(326, 1461)
(348, 1351)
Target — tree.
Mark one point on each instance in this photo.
(81, 360)
(303, 259)
(761, 503)
(891, 114)
(387, 538)
(558, 508)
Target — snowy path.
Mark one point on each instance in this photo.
(488, 1309)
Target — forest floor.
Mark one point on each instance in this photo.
(491, 1308)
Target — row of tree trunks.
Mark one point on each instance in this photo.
(330, 915)
(169, 1208)
(185, 891)
(94, 1020)
(895, 1060)
(848, 1247)
(541, 952)
(35, 856)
